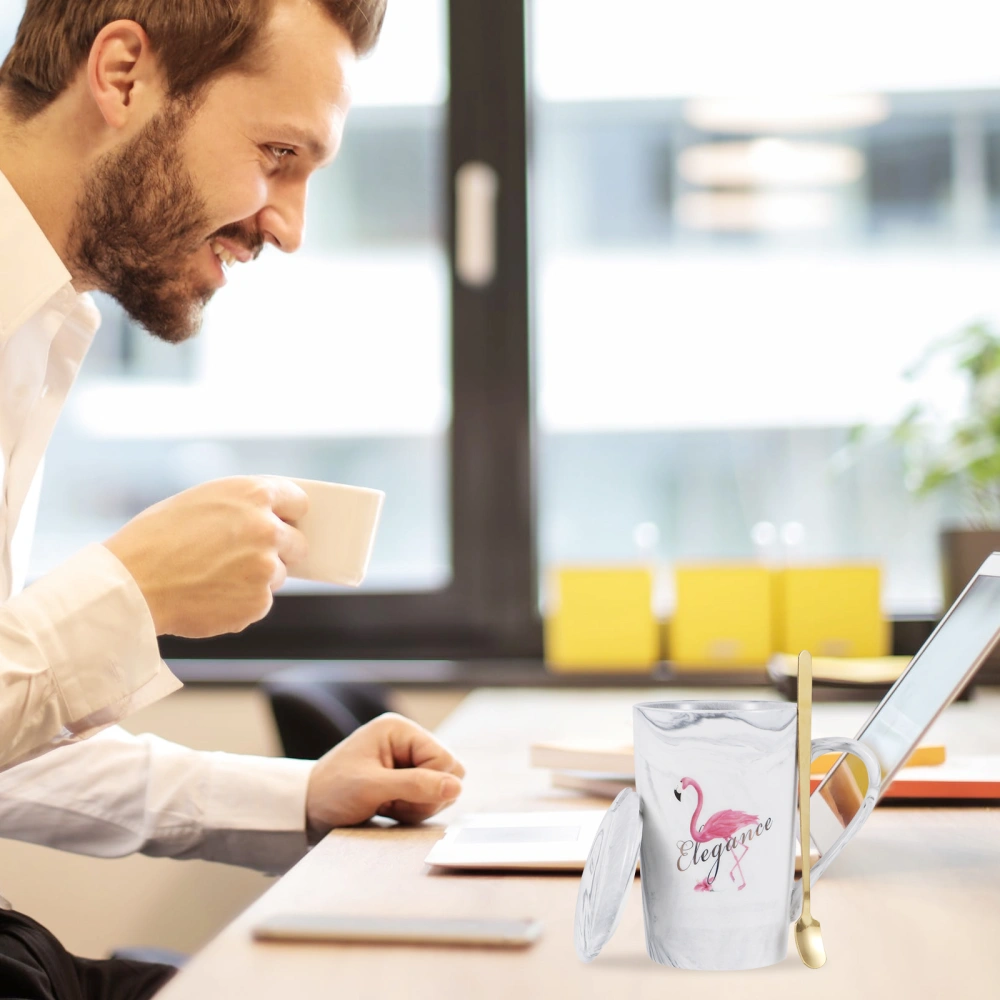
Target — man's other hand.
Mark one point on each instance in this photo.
(208, 560)
(389, 767)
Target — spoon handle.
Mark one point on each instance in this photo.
(804, 689)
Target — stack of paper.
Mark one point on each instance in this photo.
(602, 758)
(602, 770)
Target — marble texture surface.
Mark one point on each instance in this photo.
(607, 876)
(717, 784)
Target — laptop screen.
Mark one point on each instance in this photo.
(931, 682)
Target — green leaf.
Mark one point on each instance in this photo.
(966, 453)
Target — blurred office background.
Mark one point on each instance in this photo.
(724, 230)
(746, 222)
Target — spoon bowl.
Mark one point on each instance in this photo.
(809, 942)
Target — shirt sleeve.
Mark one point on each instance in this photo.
(118, 794)
(78, 652)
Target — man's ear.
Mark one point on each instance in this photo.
(123, 74)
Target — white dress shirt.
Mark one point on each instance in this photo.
(78, 648)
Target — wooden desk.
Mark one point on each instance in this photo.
(911, 909)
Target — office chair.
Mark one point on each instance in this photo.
(313, 715)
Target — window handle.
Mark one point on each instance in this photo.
(476, 188)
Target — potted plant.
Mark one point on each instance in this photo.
(959, 452)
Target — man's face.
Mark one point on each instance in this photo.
(161, 216)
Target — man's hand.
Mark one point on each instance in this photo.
(389, 767)
(208, 560)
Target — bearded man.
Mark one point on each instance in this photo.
(146, 147)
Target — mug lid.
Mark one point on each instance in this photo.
(608, 874)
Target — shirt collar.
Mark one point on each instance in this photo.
(31, 271)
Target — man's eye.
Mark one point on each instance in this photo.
(280, 152)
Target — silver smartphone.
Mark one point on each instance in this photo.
(398, 930)
(945, 663)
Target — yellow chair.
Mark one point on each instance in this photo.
(723, 617)
(601, 619)
(830, 610)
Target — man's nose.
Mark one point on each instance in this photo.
(283, 219)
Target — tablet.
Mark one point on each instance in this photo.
(945, 663)
(552, 841)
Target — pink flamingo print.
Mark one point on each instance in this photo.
(719, 826)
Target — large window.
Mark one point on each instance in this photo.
(749, 220)
(729, 228)
(365, 359)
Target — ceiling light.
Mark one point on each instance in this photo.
(735, 211)
(770, 163)
(786, 113)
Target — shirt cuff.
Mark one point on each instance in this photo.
(257, 793)
(95, 631)
(256, 812)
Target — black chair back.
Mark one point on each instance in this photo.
(313, 716)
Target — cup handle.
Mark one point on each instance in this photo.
(839, 744)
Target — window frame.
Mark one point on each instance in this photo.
(490, 606)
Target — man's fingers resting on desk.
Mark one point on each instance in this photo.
(389, 767)
(410, 745)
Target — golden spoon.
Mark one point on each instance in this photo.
(808, 936)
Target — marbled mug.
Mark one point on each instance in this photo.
(717, 788)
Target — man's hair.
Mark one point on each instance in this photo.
(194, 40)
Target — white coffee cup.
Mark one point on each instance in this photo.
(340, 528)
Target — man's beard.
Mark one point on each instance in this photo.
(138, 221)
